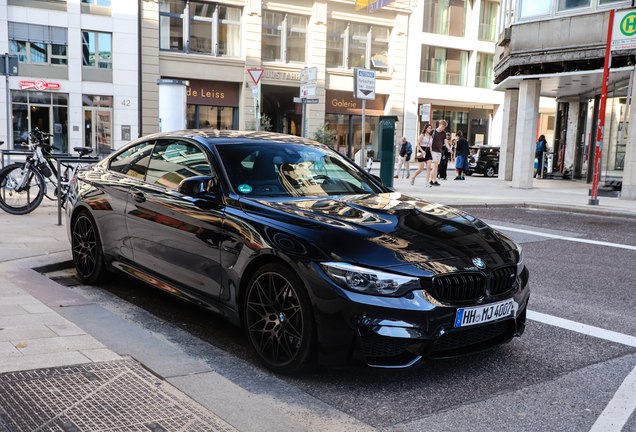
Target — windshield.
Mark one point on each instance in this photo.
(283, 169)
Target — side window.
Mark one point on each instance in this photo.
(134, 161)
(173, 161)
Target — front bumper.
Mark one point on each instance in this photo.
(393, 332)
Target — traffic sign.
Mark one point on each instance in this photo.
(298, 100)
(312, 101)
(364, 84)
(309, 75)
(255, 91)
(256, 74)
(308, 90)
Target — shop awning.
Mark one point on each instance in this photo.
(579, 84)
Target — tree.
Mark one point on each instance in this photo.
(325, 135)
(266, 124)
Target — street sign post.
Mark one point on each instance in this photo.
(364, 88)
(308, 88)
(601, 113)
(256, 75)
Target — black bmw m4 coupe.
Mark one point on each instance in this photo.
(315, 258)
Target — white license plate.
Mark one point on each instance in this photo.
(482, 314)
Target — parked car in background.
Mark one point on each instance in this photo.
(483, 160)
(314, 257)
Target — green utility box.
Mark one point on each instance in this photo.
(387, 149)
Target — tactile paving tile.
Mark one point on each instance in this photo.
(118, 396)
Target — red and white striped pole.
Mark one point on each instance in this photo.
(601, 113)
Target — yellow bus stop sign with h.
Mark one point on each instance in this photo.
(624, 30)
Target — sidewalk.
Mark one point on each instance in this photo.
(67, 363)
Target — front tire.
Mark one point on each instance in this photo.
(88, 255)
(490, 171)
(279, 321)
(20, 201)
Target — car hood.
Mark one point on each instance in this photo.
(390, 229)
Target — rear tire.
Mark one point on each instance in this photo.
(279, 321)
(23, 201)
(88, 255)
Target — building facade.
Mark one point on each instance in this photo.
(450, 67)
(213, 44)
(556, 48)
(78, 72)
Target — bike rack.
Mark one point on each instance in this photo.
(59, 157)
(67, 159)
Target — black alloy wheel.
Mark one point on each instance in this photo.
(279, 321)
(88, 256)
(490, 171)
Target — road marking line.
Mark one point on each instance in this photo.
(573, 239)
(597, 332)
(620, 408)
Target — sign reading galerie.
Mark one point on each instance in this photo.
(624, 30)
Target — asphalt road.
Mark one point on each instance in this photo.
(550, 379)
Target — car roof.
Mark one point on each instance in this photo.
(220, 137)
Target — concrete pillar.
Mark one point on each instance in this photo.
(526, 136)
(570, 137)
(508, 134)
(628, 191)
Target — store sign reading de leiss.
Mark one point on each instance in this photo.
(39, 84)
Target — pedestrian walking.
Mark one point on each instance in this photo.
(461, 156)
(439, 141)
(423, 153)
(541, 148)
(405, 152)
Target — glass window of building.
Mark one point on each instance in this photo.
(46, 111)
(38, 44)
(97, 50)
(349, 45)
(484, 70)
(573, 4)
(98, 121)
(284, 37)
(530, 8)
(604, 2)
(335, 43)
(105, 3)
(446, 17)
(210, 28)
(444, 65)
(488, 21)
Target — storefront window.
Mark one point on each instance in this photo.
(43, 110)
(444, 66)
(210, 117)
(573, 4)
(210, 28)
(349, 133)
(484, 70)
(446, 17)
(488, 21)
(290, 48)
(98, 121)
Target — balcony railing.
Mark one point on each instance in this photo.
(487, 32)
(483, 81)
(436, 77)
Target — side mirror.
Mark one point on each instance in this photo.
(198, 187)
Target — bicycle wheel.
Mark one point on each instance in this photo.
(16, 200)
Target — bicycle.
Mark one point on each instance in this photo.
(23, 184)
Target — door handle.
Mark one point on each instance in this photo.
(139, 197)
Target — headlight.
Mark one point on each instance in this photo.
(520, 263)
(368, 281)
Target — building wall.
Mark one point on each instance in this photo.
(465, 97)
(121, 21)
(158, 63)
